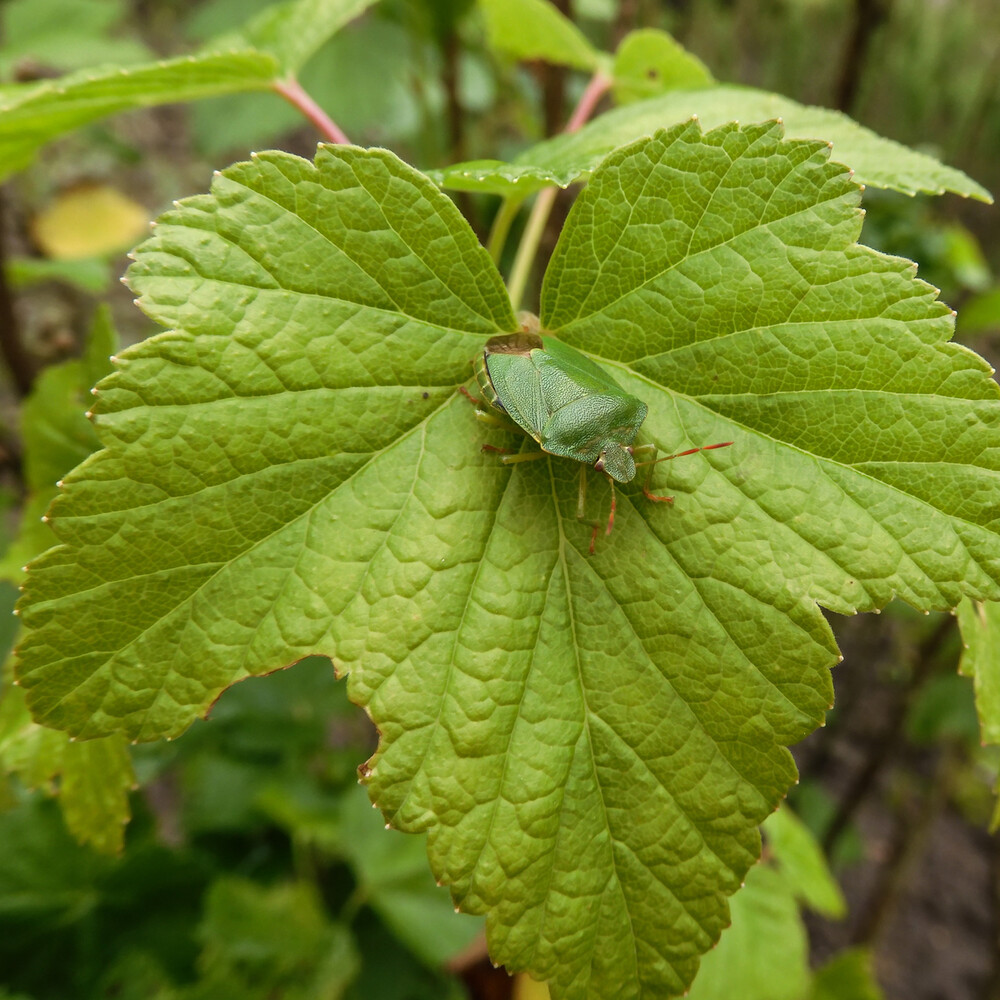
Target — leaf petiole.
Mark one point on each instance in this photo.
(296, 95)
(598, 86)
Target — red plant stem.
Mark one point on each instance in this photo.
(291, 90)
(599, 85)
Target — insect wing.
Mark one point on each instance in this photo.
(518, 389)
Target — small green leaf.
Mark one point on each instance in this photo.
(261, 943)
(649, 62)
(536, 29)
(392, 873)
(96, 775)
(847, 976)
(800, 860)
(33, 114)
(765, 950)
(566, 159)
(980, 625)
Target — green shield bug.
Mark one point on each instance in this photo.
(571, 406)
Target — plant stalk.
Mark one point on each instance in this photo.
(599, 85)
(19, 363)
(292, 91)
(506, 214)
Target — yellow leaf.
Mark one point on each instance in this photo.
(88, 221)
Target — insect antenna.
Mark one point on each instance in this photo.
(690, 451)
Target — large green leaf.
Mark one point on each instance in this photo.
(393, 879)
(590, 742)
(566, 159)
(275, 44)
(35, 114)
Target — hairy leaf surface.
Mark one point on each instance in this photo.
(590, 742)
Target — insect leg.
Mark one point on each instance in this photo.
(581, 508)
(524, 456)
(581, 505)
(491, 421)
(650, 449)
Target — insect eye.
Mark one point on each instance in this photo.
(630, 449)
(599, 464)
